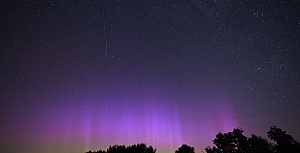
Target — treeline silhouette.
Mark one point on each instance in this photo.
(231, 142)
(139, 148)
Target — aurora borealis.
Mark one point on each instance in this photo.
(84, 75)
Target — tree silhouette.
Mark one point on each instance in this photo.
(117, 149)
(231, 142)
(236, 142)
(240, 141)
(285, 142)
(259, 145)
(185, 149)
(100, 151)
(139, 148)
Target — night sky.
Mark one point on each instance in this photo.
(83, 75)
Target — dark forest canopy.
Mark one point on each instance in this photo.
(231, 142)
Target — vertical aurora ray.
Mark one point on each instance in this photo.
(88, 128)
(146, 119)
(149, 121)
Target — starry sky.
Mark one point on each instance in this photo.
(82, 75)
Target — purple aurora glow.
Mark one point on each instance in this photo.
(84, 75)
